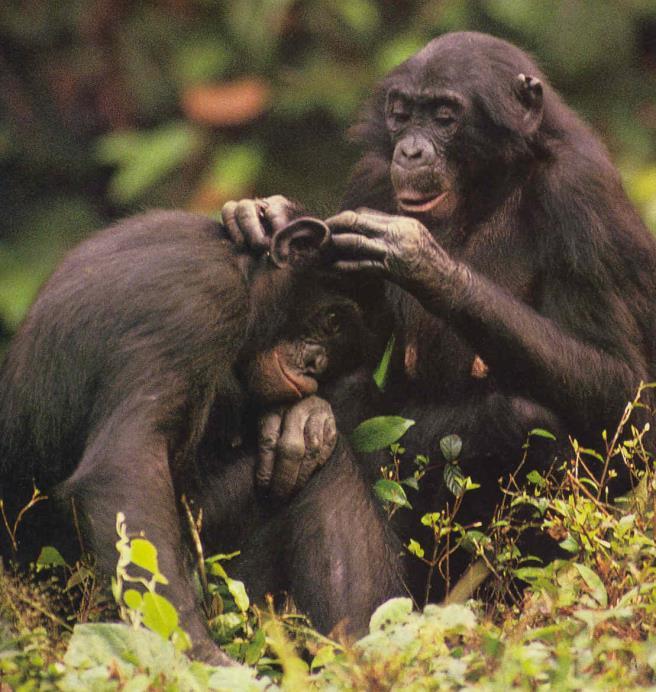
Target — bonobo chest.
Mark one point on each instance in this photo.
(430, 353)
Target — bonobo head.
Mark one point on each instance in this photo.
(454, 119)
(308, 326)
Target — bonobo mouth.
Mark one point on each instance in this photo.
(420, 203)
(299, 384)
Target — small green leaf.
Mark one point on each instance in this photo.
(378, 433)
(391, 491)
(530, 574)
(159, 615)
(451, 446)
(50, 557)
(540, 432)
(133, 599)
(570, 545)
(411, 482)
(382, 369)
(454, 479)
(325, 655)
(255, 648)
(431, 519)
(535, 478)
(594, 583)
(414, 548)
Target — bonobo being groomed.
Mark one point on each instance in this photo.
(137, 377)
(521, 278)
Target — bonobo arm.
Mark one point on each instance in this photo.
(529, 350)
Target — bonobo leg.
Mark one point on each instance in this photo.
(125, 468)
(331, 549)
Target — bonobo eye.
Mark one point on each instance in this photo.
(445, 116)
(331, 323)
(397, 111)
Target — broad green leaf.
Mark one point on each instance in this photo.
(391, 491)
(378, 433)
(454, 479)
(50, 557)
(238, 592)
(382, 369)
(159, 615)
(389, 613)
(145, 158)
(235, 168)
(144, 554)
(594, 583)
(451, 446)
(255, 648)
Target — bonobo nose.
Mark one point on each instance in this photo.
(315, 359)
(413, 151)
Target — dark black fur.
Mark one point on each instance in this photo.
(125, 388)
(557, 283)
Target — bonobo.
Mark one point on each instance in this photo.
(521, 277)
(137, 376)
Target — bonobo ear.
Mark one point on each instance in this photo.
(529, 93)
(299, 243)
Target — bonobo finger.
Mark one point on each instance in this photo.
(289, 457)
(329, 439)
(278, 211)
(248, 216)
(367, 224)
(269, 434)
(230, 222)
(359, 265)
(358, 246)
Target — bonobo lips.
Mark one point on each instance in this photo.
(416, 203)
(300, 384)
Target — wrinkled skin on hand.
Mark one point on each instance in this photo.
(251, 222)
(400, 249)
(294, 443)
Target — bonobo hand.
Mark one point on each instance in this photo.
(398, 247)
(293, 444)
(251, 222)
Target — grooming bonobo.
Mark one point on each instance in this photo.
(521, 278)
(138, 376)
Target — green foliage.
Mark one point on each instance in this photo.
(380, 432)
(382, 369)
(144, 606)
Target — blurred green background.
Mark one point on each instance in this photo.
(110, 106)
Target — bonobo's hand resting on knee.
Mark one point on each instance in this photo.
(293, 444)
(252, 222)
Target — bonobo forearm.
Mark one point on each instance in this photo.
(525, 347)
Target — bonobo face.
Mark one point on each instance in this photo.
(422, 125)
(458, 115)
(318, 342)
